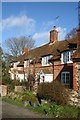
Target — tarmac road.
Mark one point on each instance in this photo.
(0, 109)
(13, 111)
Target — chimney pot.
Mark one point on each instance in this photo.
(54, 27)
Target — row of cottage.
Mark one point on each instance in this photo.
(56, 60)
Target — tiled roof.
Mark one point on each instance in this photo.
(12, 59)
(76, 54)
(50, 48)
(21, 59)
(47, 49)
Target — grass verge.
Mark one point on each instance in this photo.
(49, 109)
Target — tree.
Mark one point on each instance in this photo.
(1, 52)
(71, 34)
(8, 59)
(15, 45)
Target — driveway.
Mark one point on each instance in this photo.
(13, 111)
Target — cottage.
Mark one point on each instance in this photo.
(52, 61)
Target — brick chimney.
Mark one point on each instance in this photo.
(24, 50)
(53, 35)
(78, 38)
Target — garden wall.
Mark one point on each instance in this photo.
(19, 88)
(3, 90)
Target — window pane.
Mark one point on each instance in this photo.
(67, 56)
(45, 60)
(65, 77)
(71, 52)
(64, 57)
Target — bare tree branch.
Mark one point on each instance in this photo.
(15, 45)
(71, 34)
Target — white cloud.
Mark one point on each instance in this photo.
(22, 24)
(18, 21)
(46, 25)
(43, 35)
(61, 32)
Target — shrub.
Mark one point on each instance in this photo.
(14, 95)
(25, 98)
(54, 91)
(34, 99)
(10, 87)
(27, 92)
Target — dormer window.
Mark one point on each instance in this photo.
(66, 57)
(45, 60)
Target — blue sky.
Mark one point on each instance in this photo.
(37, 19)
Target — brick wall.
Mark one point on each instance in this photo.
(59, 68)
(38, 67)
(19, 88)
(74, 76)
(78, 73)
(3, 90)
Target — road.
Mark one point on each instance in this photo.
(0, 109)
(13, 111)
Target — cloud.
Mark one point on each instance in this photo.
(19, 21)
(43, 35)
(47, 25)
(23, 25)
(61, 32)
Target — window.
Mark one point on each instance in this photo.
(65, 78)
(26, 63)
(66, 57)
(15, 64)
(45, 60)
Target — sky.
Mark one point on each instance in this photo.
(36, 19)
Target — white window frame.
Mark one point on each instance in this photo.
(26, 63)
(15, 64)
(45, 61)
(67, 57)
(65, 78)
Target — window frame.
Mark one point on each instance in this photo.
(45, 60)
(62, 81)
(15, 64)
(26, 63)
(66, 57)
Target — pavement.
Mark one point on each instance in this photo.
(13, 111)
